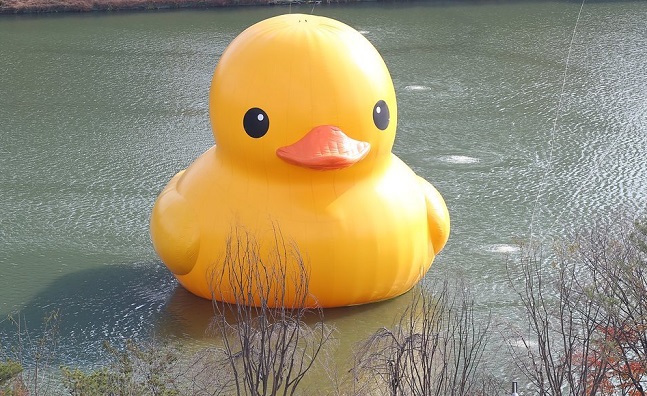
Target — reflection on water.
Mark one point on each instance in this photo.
(138, 301)
(109, 303)
(417, 88)
(459, 159)
(97, 112)
(503, 248)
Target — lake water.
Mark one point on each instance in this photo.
(98, 111)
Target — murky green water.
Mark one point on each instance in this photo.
(97, 112)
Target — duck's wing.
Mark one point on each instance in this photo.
(174, 229)
(437, 215)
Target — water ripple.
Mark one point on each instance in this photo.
(502, 248)
(417, 88)
(459, 159)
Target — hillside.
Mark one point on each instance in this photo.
(39, 6)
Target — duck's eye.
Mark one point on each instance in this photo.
(256, 122)
(381, 115)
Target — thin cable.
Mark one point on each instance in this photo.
(542, 184)
(316, 3)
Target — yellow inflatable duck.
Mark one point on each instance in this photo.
(304, 116)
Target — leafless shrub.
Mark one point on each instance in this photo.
(435, 348)
(560, 321)
(269, 346)
(614, 259)
(586, 310)
(205, 373)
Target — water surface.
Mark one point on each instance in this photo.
(98, 111)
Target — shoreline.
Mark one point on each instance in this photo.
(85, 6)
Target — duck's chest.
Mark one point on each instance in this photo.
(357, 201)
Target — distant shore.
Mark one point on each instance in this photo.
(53, 6)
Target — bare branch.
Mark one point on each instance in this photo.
(435, 347)
(269, 345)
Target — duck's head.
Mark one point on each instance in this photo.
(303, 91)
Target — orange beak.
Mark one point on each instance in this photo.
(325, 147)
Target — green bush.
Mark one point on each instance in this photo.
(138, 369)
(11, 383)
(77, 382)
(9, 370)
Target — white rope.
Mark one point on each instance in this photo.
(542, 184)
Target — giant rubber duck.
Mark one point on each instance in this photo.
(304, 116)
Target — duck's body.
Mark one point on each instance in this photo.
(367, 227)
(353, 234)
